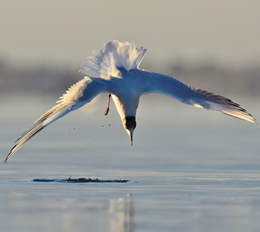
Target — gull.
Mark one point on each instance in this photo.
(115, 70)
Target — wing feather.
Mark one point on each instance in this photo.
(170, 86)
(76, 96)
(219, 103)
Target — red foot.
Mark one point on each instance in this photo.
(107, 110)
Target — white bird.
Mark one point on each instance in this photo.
(114, 70)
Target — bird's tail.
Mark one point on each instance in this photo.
(50, 116)
(105, 62)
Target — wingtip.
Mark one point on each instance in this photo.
(8, 156)
(6, 159)
(253, 120)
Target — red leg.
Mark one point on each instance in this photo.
(109, 96)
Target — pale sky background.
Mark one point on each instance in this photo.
(64, 32)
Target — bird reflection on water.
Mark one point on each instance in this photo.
(120, 214)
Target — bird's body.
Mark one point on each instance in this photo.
(114, 70)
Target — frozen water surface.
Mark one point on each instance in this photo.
(189, 170)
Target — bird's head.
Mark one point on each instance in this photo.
(129, 124)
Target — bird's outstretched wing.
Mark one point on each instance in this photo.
(199, 98)
(76, 96)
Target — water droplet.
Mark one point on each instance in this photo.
(99, 158)
(102, 126)
(109, 125)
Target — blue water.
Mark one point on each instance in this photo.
(189, 170)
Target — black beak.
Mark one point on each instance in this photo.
(130, 124)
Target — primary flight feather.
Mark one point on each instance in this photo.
(114, 70)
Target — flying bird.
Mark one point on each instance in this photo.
(114, 70)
